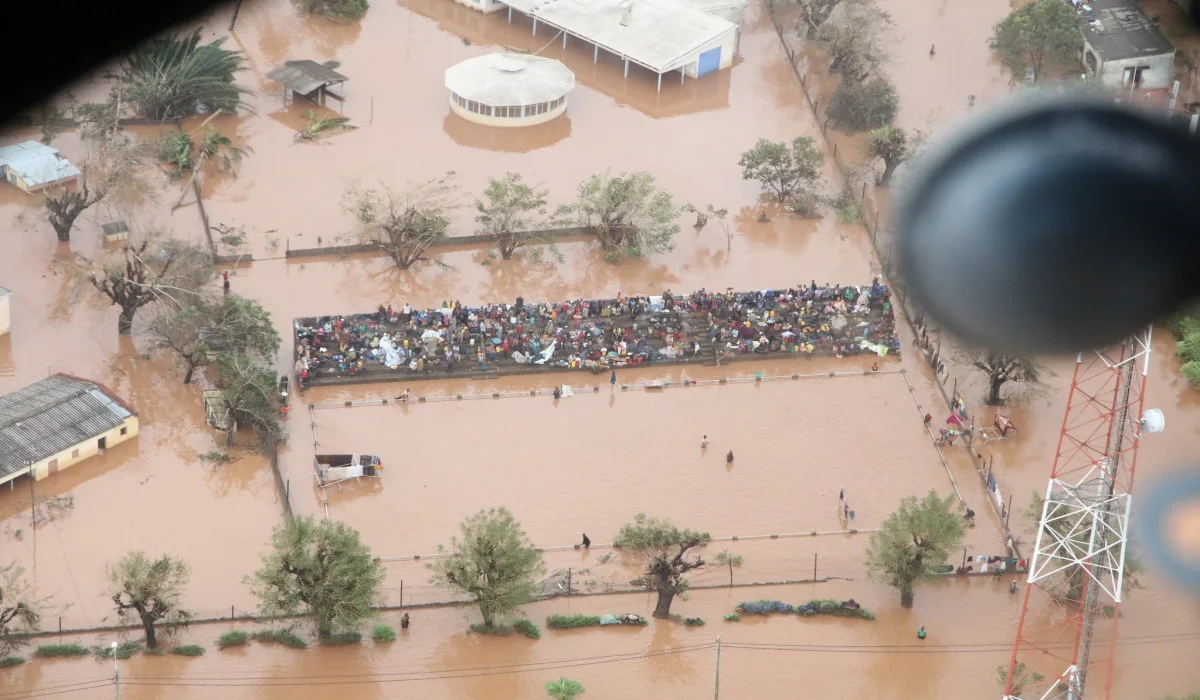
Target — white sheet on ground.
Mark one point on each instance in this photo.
(542, 357)
(880, 350)
(564, 391)
(391, 355)
(519, 358)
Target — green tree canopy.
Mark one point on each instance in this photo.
(631, 216)
(913, 542)
(891, 144)
(730, 560)
(1036, 36)
(198, 331)
(493, 562)
(172, 77)
(664, 549)
(864, 105)
(320, 568)
(512, 211)
(784, 170)
(564, 689)
(149, 590)
(20, 612)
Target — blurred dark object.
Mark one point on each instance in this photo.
(1056, 225)
(63, 42)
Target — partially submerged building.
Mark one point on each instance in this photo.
(662, 36)
(32, 165)
(310, 80)
(1124, 48)
(58, 422)
(509, 89)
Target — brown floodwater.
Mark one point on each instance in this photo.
(586, 463)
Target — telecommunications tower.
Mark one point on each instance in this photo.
(1066, 637)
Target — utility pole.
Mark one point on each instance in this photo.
(717, 678)
(236, 9)
(116, 672)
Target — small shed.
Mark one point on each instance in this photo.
(32, 165)
(58, 422)
(1124, 48)
(5, 313)
(509, 89)
(309, 79)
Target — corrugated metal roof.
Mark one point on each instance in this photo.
(305, 76)
(510, 79)
(36, 163)
(1119, 29)
(47, 417)
(4, 291)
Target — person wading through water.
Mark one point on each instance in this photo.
(587, 544)
(729, 457)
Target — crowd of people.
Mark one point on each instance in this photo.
(599, 334)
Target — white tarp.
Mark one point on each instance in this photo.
(543, 356)
(564, 391)
(391, 354)
(880, 350)
(339, 473)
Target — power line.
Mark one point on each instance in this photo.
(451, 676)
(20, 694)
(39, 694)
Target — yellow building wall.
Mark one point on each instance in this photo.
(5, 317)
(87, 448)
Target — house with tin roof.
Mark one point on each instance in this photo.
(32, 165)
(1124, 48)
(58, 422)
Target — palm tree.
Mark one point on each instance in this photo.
(216, 145)
(172, 77)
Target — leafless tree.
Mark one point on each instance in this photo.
(110, 166)
(405, 224)
(855, 39)
(20, 612)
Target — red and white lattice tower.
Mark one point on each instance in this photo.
(1076, 572)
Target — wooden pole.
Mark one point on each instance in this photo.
(1008, 511)
(236, 9)
(568, 581)
(401, 592)
(814, 566)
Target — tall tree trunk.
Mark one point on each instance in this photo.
(662, 610)
(187, 378)
(906, 594)
(507, 243)
(731, 575)
(889, 168)
(148, 626)
(64, 232)
(125, 321)
(995, 381)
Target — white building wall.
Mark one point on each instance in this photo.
(485, 6)
(5, 317)
(88, 448)
(508, 121)
(1156, 76)
(728, 44)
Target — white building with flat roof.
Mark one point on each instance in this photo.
(32, 165)
(693, 37)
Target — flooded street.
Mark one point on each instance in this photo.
(582, 464)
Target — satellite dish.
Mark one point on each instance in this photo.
(1153, 421)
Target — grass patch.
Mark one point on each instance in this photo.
(527, 628)
(154, 652)
(342, 639)
(733, 617)
(216, 456)
(286, 637)
(382, 634)
(693, 621)
(236, 638)
(565, 622)
(834, 607)
(123, 651)
(10, 661)
(52, 651)
(188, 650)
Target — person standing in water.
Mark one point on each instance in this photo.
(729, 457)
(587, 543)
(921, 632)
(841, 494)
(404, 621)
(704, 443)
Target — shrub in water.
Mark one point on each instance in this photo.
(123, 651)
(188, 650)
(528, 629)
(562, 622)
(732, 617)
(285, 637)
(826, 606)
(342, 639)
(693, 621)
(383, 634)
(235, 638)
(10, 661)
(765, 607)
(50, 651)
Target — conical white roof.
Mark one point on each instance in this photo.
(509, 79)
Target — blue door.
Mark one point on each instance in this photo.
(709, 61)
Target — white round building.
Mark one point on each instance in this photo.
(507, 89)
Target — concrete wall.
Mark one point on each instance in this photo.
(88, 448)
(486, 6)
(1112, 73)
(728, 44)
(5, 314)
(509, 121)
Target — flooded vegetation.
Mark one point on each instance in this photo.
(584, 463)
